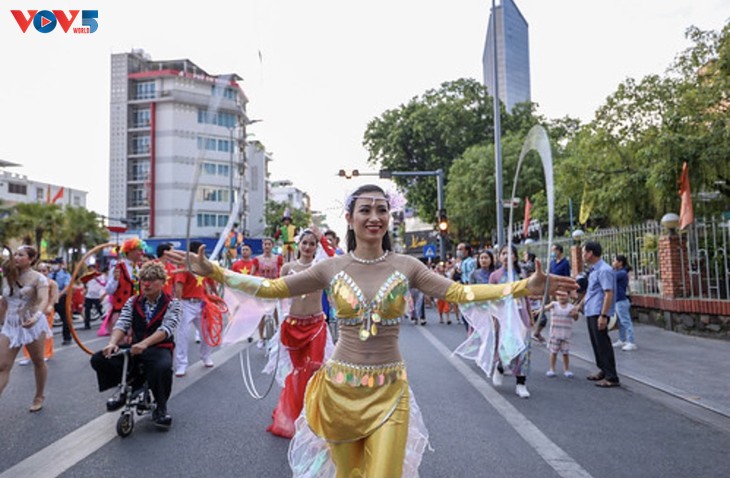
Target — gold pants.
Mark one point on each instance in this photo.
(365, 422)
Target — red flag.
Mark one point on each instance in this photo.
(58, 196)
(528, 208)
(686, 213)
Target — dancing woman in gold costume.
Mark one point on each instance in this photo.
(359, 401)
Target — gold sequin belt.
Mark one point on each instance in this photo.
(357, 375)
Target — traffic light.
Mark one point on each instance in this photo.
(443, 224)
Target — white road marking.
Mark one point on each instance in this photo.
(64, 453)
(555, 456)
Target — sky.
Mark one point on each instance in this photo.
(315, 72)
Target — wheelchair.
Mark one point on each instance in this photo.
(139, 400)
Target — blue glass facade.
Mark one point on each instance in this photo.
(513, 53)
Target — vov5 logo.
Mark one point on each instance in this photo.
(45, 21)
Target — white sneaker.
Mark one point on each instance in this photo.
(618, 343)
(550, 373)
(521, 391)
(497, 378)
(180, 372)
(628, 346)
(24, 362)
(208, 362)
(568, 374)
(260, 344)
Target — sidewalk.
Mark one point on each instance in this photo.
(691, 368)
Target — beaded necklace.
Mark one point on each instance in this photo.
(369, 261)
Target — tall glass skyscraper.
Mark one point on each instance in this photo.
(513, 53)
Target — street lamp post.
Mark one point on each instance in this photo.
(497, 132)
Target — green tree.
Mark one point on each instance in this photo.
(275, 211)
(471, 196)
(81, 228)
(31, 222)
(627, 161)
(429, 133)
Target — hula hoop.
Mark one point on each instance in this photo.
(69, 297)
(247, 374)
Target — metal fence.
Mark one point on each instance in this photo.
(704, 256)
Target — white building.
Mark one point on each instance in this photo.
(284, 191)
(258, 186)
(17, 188)
(166, 117)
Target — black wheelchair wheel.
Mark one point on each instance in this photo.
(125, 424)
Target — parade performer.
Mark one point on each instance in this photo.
(234, 241)
(286, 233)
(24, 297)
(303, 334)
(152, 317)
(267, 265)
(49, 310)
(191, 291)
(360, 418)
(123, 281)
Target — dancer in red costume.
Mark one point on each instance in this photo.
(267, 265)
(123, 281)
(303, 334)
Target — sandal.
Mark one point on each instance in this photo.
(37, 404)
(606, 384)
(596, 376)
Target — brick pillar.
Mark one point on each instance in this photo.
(671, 268)
(576, 260)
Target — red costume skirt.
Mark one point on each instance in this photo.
(305, 339)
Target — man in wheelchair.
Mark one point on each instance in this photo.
(148, 322)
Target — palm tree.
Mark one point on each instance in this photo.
(30, 222)
(80, 228)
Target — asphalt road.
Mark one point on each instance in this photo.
(567, 428)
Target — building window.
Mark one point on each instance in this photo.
(139, 221)
(40, 194)
(17, 188)
(224, 145)
(209, 168)
(139, 170)
(138, 196)
(223, 170)
(207, 144)
(77, 201)
(226, 92)
(227, 120)
(212, 220)
(141, 144)
(141, 118)
(215, 195)
(145, 90)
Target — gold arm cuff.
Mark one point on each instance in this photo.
(460, 293)
(252, 285)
